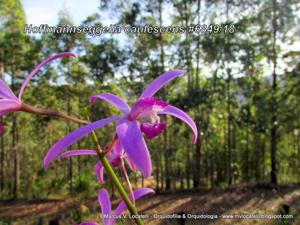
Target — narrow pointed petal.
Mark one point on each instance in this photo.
(105, 205)
(161, 81)
(68, 140)
(7, 105)
(99, 169)
(112, 99)
(134, 145)
(38, 67)
(174, 111)
(6, 92)
(137, 194)
(77, 152)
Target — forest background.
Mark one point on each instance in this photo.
(241, 88)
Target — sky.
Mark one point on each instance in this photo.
(46, 12)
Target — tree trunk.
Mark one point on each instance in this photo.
(70, 166)
(229, 147)
(16, 156)
(3, 155)
(246, 163)
(157, 172)
(273, 145)
(197, 172)
(14, 134)
(167, 171)
(188, 164)
(2, 144)
(162, 63)
(212, 170)
(162, 176)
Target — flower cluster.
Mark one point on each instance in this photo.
(141, 118)
(134, 124)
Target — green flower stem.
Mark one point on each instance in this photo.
(113, 177)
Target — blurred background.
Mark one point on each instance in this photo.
(241, 88)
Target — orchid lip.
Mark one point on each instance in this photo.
(151, 130)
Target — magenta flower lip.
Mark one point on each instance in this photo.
(139, 120)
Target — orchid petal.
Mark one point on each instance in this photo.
(6, 92)
(161, 81)
(77, 152)
(174, 111)
(134, 145)
(8, 105)
(38, 67)
(112, 99)
(105, 205)
(99, 172)
(72, 137)
(137, 194)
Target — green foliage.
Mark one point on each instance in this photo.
(83, 184)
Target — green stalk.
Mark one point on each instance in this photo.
(113, 177)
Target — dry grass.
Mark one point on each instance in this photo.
(238, 200)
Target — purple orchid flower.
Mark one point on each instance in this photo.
(105, 205)
(114, 157)
(129, 130)
(8, 100)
